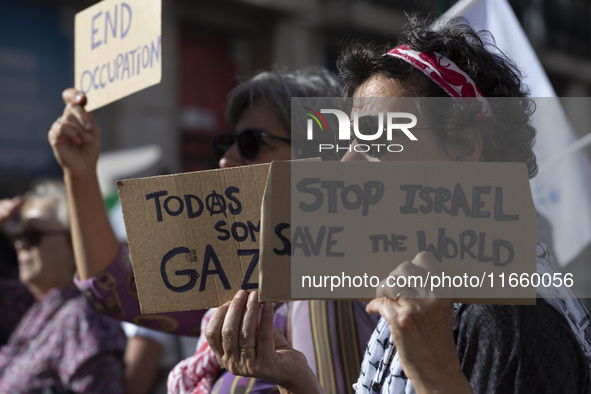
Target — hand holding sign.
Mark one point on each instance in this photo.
(75, 136)
(421, 328)
(246, 348)
(75, 140)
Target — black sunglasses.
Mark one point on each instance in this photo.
(33, 236)
(249, 142)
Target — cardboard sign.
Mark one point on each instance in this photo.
(350, 224)
(118, 49)
(194, 237)
(197, 238)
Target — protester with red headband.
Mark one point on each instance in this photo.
(428, 344)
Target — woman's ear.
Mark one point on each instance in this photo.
(477, 147)
(473, 146)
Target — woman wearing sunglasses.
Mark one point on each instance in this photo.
(428, 344)
(259, 110)
(59, 343)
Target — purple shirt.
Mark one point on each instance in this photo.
(114, 293)
(60, 343)
(15, 300)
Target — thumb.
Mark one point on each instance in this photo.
(375, 305)
(279, 339)
(386, 307)
(74, 97)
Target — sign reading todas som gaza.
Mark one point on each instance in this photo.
(197, 238)
(194, 237)
(118, 49)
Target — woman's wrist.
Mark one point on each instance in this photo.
(302, 383)
(452, 382)
(84, 175)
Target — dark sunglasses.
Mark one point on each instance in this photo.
(33, 236)
(249, 142)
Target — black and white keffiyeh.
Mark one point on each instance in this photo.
(381, 371)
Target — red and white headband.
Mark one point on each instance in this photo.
(445, 73)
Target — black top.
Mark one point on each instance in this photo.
(520, 349)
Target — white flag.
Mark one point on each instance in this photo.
(562, 189)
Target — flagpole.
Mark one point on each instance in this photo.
(564, 153)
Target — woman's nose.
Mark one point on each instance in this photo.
(232, 158)
(20, 244)
(353, 155)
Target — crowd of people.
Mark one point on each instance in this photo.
(76, 283)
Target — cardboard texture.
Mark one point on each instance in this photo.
(193, 237)
(118, 49)
(363, 219)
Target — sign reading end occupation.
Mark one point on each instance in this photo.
(118, 49)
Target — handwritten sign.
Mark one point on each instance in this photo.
(296, 228)
(118, 49)
(350, 224)
(194, 237)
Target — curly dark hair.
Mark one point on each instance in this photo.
(509, 137)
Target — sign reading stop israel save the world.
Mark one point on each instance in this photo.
(350, 224)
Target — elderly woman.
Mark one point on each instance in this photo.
(431, 344)
(60, 344)
(259, 110)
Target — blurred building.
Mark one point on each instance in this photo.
(208, 45)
